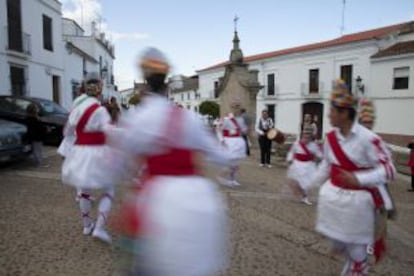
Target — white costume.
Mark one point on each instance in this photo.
(182, 214)
(303, 165)
(88, 164)
(230, 131)
(70, 138)
(346, 214)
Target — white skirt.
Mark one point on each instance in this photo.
(92, 167)
(66, 146)
(185, 228)
(302, 172)
(236, 146)
(345, 215)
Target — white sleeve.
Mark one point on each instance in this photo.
(314, 148)
(257, 127)
(324, 169)
(291, 152)
(384, 169)
(205, 142)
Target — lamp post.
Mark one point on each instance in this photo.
(103, 72)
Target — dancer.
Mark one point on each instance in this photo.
(230, 131)
(355, 162)
(180, 220)
(81, 167)
(302, 159)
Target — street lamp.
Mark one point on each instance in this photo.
(359, 85)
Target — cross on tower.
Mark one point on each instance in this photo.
(235, 22)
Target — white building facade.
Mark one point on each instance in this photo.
(95, 51)
(31, 50)
(184, 91)
(299, 80)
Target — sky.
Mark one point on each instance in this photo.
(195, 34)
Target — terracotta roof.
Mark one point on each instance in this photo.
(400, 48)
(350, 38)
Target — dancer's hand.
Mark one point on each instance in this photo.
(348, 178)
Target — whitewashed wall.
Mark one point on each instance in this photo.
(394, 108)
(41, 64)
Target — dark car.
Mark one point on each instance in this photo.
(12, 145)
(52, 116)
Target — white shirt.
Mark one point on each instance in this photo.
(297, 148)
(226, 123)
(366, 150)
(266, 125)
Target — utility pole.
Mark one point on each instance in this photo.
(343, 17)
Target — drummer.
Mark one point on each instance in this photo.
(263, 125)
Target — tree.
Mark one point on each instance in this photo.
(134, 100)
(210, 108)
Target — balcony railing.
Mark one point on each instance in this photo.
(20, 44)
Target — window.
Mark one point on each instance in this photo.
(17, 81)
(182, 96)
(188, 95)
(401, 78)
(47, 33)
(313, 81)
(216, 94)
(270, 84)
(14, 25)
(346, 76)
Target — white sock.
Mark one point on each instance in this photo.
(104, 207)
(85, 208)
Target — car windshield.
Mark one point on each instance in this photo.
(49, 107)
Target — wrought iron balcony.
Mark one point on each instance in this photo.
(17, 42)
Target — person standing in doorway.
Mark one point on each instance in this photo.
(263, 125)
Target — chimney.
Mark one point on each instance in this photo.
(93, 28)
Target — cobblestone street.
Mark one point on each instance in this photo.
(40, 230)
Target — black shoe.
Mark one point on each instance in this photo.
(410, 190)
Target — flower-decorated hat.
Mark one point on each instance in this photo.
(366, 111)
(341, 97)
(153, 61)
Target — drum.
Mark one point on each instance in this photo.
(275, 135)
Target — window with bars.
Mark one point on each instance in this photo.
(346, 76)
(401, 78)
(270, 84)
(314, 81)
(47, 33)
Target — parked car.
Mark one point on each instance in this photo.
(52, 115)
(12, 144)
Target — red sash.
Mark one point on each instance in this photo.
(175, 161)
(226, 132)
(308, 156)
(411, 160)
(346, 164)
(88, 138)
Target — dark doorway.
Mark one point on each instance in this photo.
(316, 111)
(56, 89)
(271, 111)
(17, 81)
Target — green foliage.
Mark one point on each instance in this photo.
(135, 99)
(210, 108)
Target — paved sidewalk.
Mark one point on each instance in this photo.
(271, 234)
